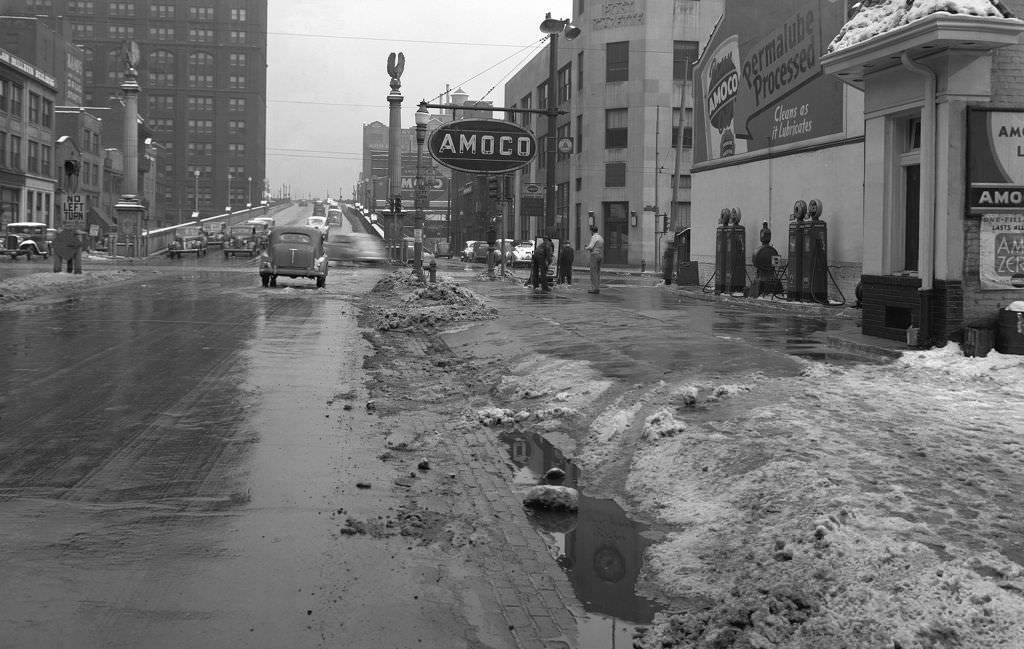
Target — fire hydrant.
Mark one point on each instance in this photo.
(432, 269)
(643, 265)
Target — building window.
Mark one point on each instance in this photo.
(81, 7)
(15, 152)
(238, 15)
(236, 127)
(616, 131)
(161, 11)
(908, 219)
(46, 160)
(81, 32)
(123, 9)
(579, 70)
(200, 148)
(162, 124)
(615, 174)
(35, 108)
(200, 13)
(17, 108)
(687, 126)
(200, 70)
(236, 105)
(161, 103)
(526, 102)
(121, 32)
(579, 134)
(33, 157)
(200, 127)
(565, 84)
(39, 5)
(115, 63)
(237, 37)
(617, 61)
(542, 96)
(3, 149)
(200, 104)
(238, 60)
(684, 54)
(236, 148)
(236, 81)
(47, 113)
(161, 33)
(161, 69)
(5, 92)
(196, 35)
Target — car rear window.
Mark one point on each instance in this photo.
(294, 237)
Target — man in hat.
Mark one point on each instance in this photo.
(542, 257)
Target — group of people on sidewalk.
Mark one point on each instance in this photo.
(545, 253)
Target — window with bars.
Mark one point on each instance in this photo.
(684, 55)
(615, 174)
(616, 128)
(617, 61)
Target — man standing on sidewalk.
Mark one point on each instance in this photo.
(542, 256)
(596, 248)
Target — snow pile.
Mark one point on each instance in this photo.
(401, 301)
(42, 284)
(553, 497)
(876, 17)
(872, 506)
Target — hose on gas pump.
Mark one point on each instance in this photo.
(817, 259)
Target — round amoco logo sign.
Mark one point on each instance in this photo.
(484, 146)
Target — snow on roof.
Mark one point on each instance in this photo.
(876, 17)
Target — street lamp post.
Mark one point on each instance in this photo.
(195, 209)
(422, 117)
(553, 27)
(248, 203)
(228, 208)
(396, 65)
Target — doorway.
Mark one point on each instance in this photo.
(616, 233)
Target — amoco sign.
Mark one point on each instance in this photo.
(484, 146)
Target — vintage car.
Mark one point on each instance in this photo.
(190, 239)
(243, 239)
(318, 222)
(334, 216)
(264, 224)
(522, 253)
(467, 252)
(26, 238)
(216, 233)
(355, 247)
(294, 251)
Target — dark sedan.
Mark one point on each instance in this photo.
(294, 251)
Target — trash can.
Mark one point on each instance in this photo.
(1010, 329)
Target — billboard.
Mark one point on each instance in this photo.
(759, 84)
(995, 160)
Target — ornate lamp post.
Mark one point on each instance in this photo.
(129, 209)
(248, 203)
(228, 207)
(422, 117)
(553, 27)
(396, 65)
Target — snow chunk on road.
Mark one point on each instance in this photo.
(553, 497)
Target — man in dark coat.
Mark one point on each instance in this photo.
(565, 259)
(542, 257)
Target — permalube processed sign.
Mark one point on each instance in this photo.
(484, 146)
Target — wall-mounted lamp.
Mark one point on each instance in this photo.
(590, 218)
(632, 219)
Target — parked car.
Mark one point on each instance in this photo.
(294, 251)
(243, 239)
(355, 247)
(522, 253)
(467, 252)
(263, 226)
(410, 253)
(26, 238)
(188, 240)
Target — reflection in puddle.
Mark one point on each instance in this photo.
(599, 547)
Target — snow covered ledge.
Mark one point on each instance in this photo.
(850, 59)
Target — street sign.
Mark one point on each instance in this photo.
(74, 212)
(483, 146)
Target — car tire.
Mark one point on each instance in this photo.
(28, 254)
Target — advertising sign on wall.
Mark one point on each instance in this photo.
(759, 82)
(1002, 251)
(995, 161)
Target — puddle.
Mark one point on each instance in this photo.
(600, 548)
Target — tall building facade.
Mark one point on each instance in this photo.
(623, 85)
(202, 71)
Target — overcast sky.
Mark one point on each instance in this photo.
(328, 73)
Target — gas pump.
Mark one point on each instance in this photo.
(795, 270)
(735, 253)
(815, 257)
(720, 249)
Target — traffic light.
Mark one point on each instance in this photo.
(396, 204)
(665, 222)
(493, 187)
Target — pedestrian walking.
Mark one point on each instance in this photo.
(542, 257)
(596, 248)
(565, 259)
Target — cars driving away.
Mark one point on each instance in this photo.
(354, 247)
